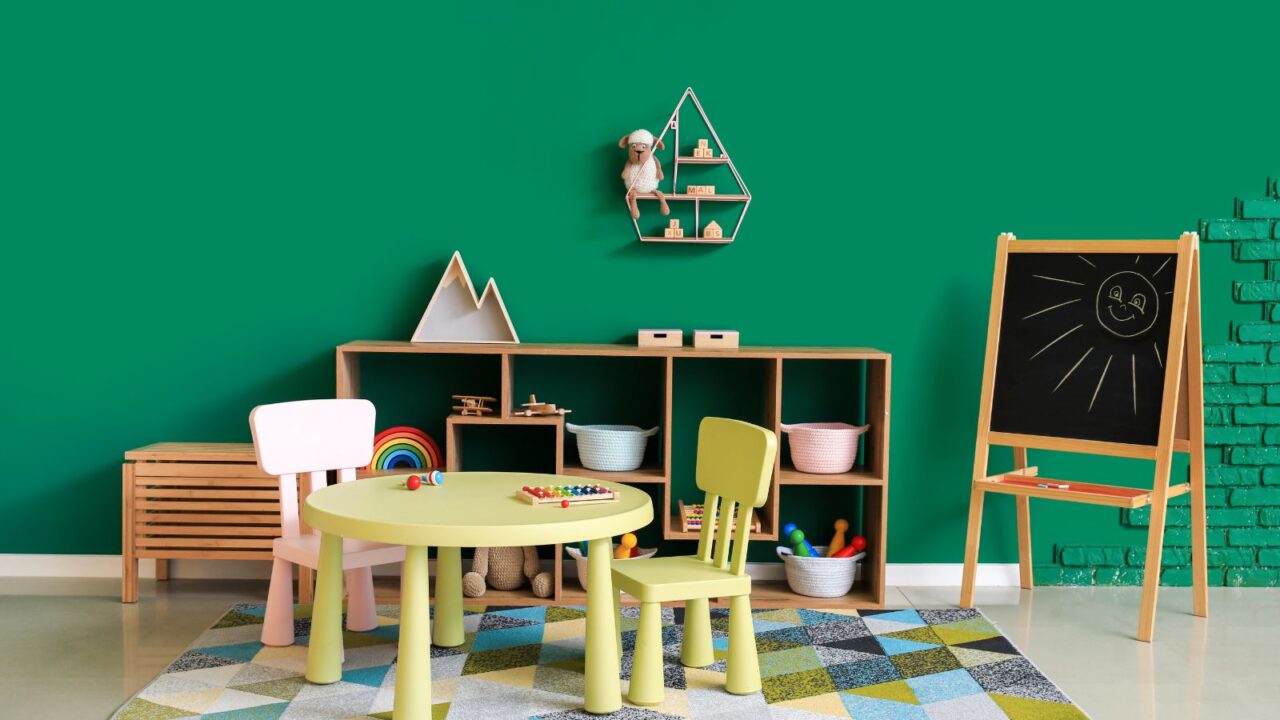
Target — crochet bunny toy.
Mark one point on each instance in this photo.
(642, 171)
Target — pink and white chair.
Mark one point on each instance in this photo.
(312, 437)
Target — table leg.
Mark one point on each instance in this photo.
(603, 687)
(413, 666)
(447, 628)
(324, 656)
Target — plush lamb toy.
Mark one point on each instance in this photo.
(642, 171)
(506, 568)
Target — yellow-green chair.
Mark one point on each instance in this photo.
(735, 460)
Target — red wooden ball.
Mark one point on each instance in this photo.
(564, 503)
(413, 482)
(859, 543)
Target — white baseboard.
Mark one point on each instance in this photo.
(108, 566)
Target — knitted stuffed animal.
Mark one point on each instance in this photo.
(506, 568)
(642, 171)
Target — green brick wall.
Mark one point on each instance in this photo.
(1242, 435)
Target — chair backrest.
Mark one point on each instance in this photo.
(735, 462)
(312, 437)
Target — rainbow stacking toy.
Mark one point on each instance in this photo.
(566, 495)
(405, 448)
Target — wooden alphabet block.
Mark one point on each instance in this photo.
(702, 143)
(674, 223)
(713, 230)
(673, 232)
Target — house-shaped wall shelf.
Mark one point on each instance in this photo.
(721, 157)
(456, 314)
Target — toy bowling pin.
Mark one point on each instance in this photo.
(799, 546)
(625, 544)
(837, 540)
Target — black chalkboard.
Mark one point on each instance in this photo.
(1082, 346)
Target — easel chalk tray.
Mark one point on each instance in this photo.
(567, 495)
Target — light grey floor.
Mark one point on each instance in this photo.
(71, 650)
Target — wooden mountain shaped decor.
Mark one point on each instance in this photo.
(692, 151)
(455, 314)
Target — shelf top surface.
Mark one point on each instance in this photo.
(194, 452)
(614, 349)
(732, 197)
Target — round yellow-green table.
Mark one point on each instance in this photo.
(471, 509)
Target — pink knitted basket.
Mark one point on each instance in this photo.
(824, 448)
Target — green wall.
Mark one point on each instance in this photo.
(198, 203)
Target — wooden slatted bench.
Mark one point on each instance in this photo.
(195, 500)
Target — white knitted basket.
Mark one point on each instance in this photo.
(820, 576)
(581, 560)
(824, 448)
(611, 448)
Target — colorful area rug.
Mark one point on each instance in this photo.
(527, 662)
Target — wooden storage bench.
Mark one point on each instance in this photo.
(195, 500)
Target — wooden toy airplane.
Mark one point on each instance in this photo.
(473, 405)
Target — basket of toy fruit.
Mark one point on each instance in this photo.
(824, 448)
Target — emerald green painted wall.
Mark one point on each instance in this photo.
(197, 204)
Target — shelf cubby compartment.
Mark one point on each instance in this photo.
(613, 390)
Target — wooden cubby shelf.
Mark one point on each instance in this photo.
(710, 198)
(690, 160)
(642, 475)
(870, 400)
(855, 477)
(709, 241)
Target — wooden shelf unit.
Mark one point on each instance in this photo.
(708, 241)
(691, 160)
(872, 475)
(699, 198)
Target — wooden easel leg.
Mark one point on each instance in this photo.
(1199, 544)
(1023, 504)
(1024, 542)
(1195, 437)
(1155, 547)
(971, 546)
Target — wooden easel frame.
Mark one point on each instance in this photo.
(1181, 430)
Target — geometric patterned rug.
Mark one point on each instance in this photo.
(527, 662)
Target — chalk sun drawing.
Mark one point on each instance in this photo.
(1126, 305)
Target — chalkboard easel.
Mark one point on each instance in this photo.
(1094, 346)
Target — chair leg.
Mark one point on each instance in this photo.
(617, 614)
(742, 677)
(695, 650)
(362, 611)
(277, 626)
(646, 661)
